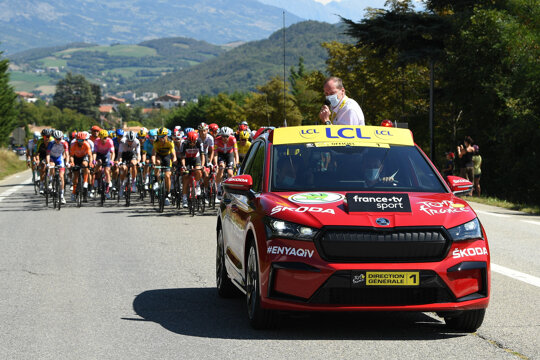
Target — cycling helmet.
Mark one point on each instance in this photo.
(203, 126)
(37, 135)
(57, 134)
(111, 133)
(189, 129)
(96, 128)
(244, 135)
(162, 132)
(119, 132)
(142, 133)
(74, 134)
(177, 128)
(213, 127)
(153, 133)
(192, 136)
(86, 135)
(244, 123)
(242, 127)
(103, 134)
(130, 136)
(46, 132)
(169, 132)
(81, 136)
(225, 131)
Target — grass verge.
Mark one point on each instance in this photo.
(10, 163)
(488, 200)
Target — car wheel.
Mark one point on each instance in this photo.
(259, 318)
(225, 287)
(468, 320)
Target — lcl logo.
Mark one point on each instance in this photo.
(308, 133)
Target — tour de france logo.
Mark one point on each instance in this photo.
(315, 198)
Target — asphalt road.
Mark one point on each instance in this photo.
(129, 283)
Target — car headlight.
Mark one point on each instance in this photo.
(282, 228)
(469, 230)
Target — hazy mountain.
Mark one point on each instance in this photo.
(26, 24)
(312, 10)
(254, 63)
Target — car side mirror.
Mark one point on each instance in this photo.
(240, 183)
(459, 185)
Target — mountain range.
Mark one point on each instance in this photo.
(27, 24)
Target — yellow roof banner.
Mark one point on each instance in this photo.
(342, 133)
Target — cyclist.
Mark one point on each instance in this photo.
(213, 130)
(31, 150)
(147, 149)
(163, 154)
(243, 144)
(94, 133)
(42, 155)
(227, 153)
(118, 135)
(58, 155)
(192, 156)
(208, 147)
(94, 136)
(81, 155)
(104, 149)
(130, 150)
(243, 126)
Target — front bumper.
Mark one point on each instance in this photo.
(308, 282)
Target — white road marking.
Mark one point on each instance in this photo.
(10, 191)
(514, 274)
(532, 222)
(490, 213)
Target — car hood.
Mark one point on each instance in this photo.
(318, 209)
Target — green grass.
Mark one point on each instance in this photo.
(26, 81)
(10, 163)
(489, 200)
(52, 61)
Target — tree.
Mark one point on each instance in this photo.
(307, 99)
(265, 108)
(225, 111)
(8, 113)
(76, 93)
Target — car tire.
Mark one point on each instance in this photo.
(259, 318)
(224, 285)
(468, 320)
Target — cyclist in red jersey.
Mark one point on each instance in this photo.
(227, 153)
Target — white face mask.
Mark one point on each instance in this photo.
(371, 174)
(334, 101)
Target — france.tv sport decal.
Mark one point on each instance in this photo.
(316, 198)
(373, 202)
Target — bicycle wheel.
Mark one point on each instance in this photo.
(46, 189)
(127, 190)
(58, 194)
(54, 191)
(152, 190)
(101, 191)
(193, 199)
(79, 190)
(34, 181)
(161, 196)
(202, 201)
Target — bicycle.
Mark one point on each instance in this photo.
(56, 188)
(195, 203)
(211, 190)
(140, 182)
(160, 191)
(35, 177)
(80, 191)
(102, 185)
(176, 189)
(127, 186)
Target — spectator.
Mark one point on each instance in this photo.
(466, 152)
(477, 161)
(341, 110)
(449, 165)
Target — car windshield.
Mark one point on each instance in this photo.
(307, 167)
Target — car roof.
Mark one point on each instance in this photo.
(342, 135)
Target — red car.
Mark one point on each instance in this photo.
(349, 218)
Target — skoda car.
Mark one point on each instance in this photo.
(349, 218)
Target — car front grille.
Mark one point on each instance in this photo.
(338, 291)
(385, 245)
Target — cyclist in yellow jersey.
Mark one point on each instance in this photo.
(243, 144)
(163, 154)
